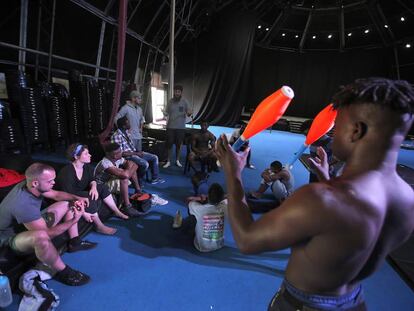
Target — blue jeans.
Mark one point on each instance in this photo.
(146, 160)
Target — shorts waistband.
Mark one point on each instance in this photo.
(348, 300)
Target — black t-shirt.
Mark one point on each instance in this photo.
(68, 181)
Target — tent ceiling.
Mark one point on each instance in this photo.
(285, 24)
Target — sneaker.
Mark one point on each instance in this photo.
(168, 164)
(178, 163)
(157, 180)
(83, 245)
(178, 220)
(157, 200)
(250, 166)
(131, 212)
(71, 277)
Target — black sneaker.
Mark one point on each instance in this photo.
(72, 277)
(131, 212)
(81, 246)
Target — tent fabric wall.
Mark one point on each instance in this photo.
(218, 66)
(314, 76)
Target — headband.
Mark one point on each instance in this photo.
(77, 150)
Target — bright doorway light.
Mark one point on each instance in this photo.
(158, 97)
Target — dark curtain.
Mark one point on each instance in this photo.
(314, 76)
(215, 70)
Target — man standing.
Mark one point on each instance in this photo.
(25, 229)
(133, 111)
(340, 230)
(177, 110)
(202, 148)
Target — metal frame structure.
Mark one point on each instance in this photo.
(189, 16)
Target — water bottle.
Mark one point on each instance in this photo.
(6, 297)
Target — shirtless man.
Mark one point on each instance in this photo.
(202, 148)
(339, 230)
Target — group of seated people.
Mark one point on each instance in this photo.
(82, 189)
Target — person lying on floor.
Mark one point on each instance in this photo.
(279, 179)
(25, 229)
(116, 172)
(77, 178)
(144, 160)
(206, 217)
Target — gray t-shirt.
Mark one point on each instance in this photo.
(101, 174)
(210, 225)
(177, 112)
(18, 207)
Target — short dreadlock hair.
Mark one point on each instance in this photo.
(398, 95)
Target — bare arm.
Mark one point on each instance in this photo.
(280, 175)
(64, 196)
(194, 144)
(123, 173)
(40, 224)
(285, 226)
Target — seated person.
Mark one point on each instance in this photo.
(279, 179)
(202, 148)
(200, 183)
(209, 212)
(114, 169)
(122, 137)
(234, 136)
(25, 229)
(77, 178)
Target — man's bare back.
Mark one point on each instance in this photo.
(339, 230)
(357, 231)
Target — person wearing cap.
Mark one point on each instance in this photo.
(133, 111)
(176, 112)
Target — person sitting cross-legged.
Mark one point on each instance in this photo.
(117, 172)
(143, 159)
(206, 215)
(26, 229)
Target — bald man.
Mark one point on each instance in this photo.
(339, 230)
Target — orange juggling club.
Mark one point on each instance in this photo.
(322, 124)
(266, 114)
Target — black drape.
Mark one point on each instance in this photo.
(218, 65)
(314, 76)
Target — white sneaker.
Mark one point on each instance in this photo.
(157, 200)
(178, 164)
(178, 220)
(168, 164)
